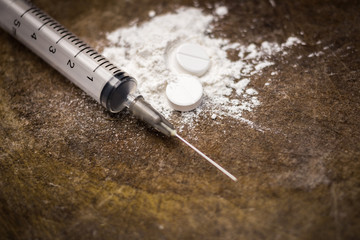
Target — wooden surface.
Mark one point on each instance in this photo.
(71, 170)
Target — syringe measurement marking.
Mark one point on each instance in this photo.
(62, 37)
(86, 47)
(35, 10)
(62, 29)
(26, 12)
(44, 25)
(100, 65)
(78, 42)
(70, 63)
(71, 37)
(65, 34)
(52, 49)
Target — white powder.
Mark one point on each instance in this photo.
(144, 52)
(316, 54)
(251, 91)
(221, 11)
(272, 3)
(152, 13)
(292, 41)
(263, 65)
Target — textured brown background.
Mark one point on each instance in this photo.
(71, 170)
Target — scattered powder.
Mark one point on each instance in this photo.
(263, 65)
(292, 41)
(241, 85)
(272, 3)
(221, 11)
(251, 91)
(152, 13)
(144, 52)
(316, 54)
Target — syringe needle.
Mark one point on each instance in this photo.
(144, 111)
(207, 158)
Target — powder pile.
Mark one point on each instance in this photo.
(144, 52)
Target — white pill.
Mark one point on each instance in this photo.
(192, 58)
(185, 93)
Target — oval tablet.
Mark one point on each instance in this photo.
(185, 94)
(192, 58)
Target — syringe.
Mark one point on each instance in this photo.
(81, 64)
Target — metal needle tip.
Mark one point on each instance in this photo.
(207, 158)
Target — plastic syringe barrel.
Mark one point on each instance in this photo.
(78, 62)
